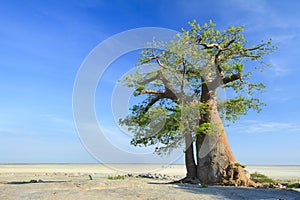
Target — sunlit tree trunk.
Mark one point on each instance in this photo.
(215, 161)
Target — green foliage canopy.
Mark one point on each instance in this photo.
(173, 81)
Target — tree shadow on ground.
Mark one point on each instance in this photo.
(32, 182)
(228, 192)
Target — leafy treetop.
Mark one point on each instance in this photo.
(172, 75)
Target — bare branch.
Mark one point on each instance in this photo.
(151, 92)
(152, 102)
(155, 57)
(210, 46)
(232, 78)
(218, 81)
(230, 42)
(255, 48)
(220, 71)
(159, 62)
(166, 82)
(165, 95)
(149, 80)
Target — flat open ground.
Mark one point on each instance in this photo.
(72, 181)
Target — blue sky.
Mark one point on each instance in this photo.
(43, 44)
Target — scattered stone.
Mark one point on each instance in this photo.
(274, 185)
(156, 176)
(36, 181)
(280, 186)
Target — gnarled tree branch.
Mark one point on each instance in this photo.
(149, 80)
(151, 92)
(152, 102)
(218, 81)
(210, 46)
(232, 78)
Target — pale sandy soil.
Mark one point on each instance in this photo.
(73, 182)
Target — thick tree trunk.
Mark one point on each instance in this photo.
(215, 161)
(190, 164)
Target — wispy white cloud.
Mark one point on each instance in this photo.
(278, 95)
(262, 15)
(258, 6)
(57, 120)
(16, 131)
(279, 68)
(264, 20)
(255, 126)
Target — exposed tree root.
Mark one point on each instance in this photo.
(236, 176)
(232, 176)
(188, 180)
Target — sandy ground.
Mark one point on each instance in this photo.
(73, 182)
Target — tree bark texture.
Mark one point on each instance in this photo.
(216, 163)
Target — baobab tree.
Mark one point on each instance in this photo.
(181, 106)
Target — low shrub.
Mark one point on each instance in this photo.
(261, 178)
(240, 165)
